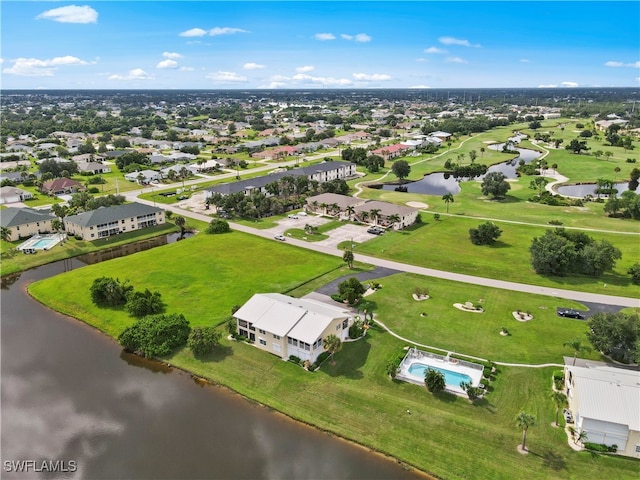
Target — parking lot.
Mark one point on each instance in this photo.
(356, 233)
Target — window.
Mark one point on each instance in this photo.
(345, 323)
(251, 327)
(242, 332)
(637, 448)
(123, 220)
(277, 337)
(338, 327)
(263, 342)
(262, 331)
(292, 341)
(242, 323)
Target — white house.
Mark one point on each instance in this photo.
(605, 402)
(286, 326)
(10, 194)
(144, 176)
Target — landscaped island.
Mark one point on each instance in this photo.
(355, 398)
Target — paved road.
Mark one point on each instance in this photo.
(403, 267)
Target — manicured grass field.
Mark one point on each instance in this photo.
(431, 245)
(445, 435)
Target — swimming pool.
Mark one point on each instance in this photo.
(41, 242)
(44, 243)
(452, 379)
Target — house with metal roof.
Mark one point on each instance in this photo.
(286, 326)
(25, 222)
(107, 221)
(605, 402)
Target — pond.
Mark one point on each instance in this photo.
(440, 183)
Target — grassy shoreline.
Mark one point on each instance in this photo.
(354, 398)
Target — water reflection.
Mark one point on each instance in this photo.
(584, 189)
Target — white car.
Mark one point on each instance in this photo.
(279, 237)
(302, 214)
(293, 215)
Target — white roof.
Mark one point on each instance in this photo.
(608, 394)
(302, 319)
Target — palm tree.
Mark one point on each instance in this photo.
(393, 219)
(314, 205)
(5, 233)
(580, 437)
(332, 344)
(525, 420)
(373, 215)
(473, 155)
(180, 222)
(434, 380)
(448, 198)
(577, 347)
(323, 206)
(560, 399)
(350, 211)
(482, 149)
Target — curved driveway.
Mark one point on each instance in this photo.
(403, 267)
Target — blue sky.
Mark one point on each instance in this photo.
(327, 44)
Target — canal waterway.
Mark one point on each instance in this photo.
(70, 394)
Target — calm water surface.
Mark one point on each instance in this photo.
(70, 393)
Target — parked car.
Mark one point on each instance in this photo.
(375, 230)
(302, 214)
(568, 417)
(279, 237)
(570, 313)
(293, 215)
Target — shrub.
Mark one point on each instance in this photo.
(144, 303)
(294, 359)
(555, 222)
(109, 292)
(356, 329)
(436, 216)
(393, 364)
(596, 447)
(631, 160)
(93, 190)
(217, 226)
(203, 340)
(322, 357)
(156, 335)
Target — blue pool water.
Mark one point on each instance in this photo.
(451, 378)
(43, 243)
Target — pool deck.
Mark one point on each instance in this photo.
(54, 238)
(473, 370)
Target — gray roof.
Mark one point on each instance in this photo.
(386, 209)
(13, 216)
(259, 182)
(111, 214)
(343, 201)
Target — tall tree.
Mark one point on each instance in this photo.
(348, 258)
(577, 346)
(5, 233)
(495, 184)
(401, 169)
(525, 420)
(180, 221)
(332, 344)
(448, 198)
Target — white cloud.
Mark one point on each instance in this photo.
(456, 41)
(225, 31)
(325, 36)
(421, 59)
(168, 63)
(622, 64)
(455, 60)
(71, 14)
(324, 81)
(524, 60)
(376, 77)
(360, 37)
(34, 67)
(253, 66)
(279, 78)
(273, 85)
(194, 32)
(435, 50)
(569, 84)
(548, 86)
(135, 74)
(226, 77)
(420, 86)
(171, 55)
(305, 69)
(187, 69)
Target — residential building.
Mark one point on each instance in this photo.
(108, 221)
(605, 402)
(93, 168)
(144, 176)
(388, 215)
(321, 172)
(286, 326)
(12, 195)
(61, 186)
(25, 222)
